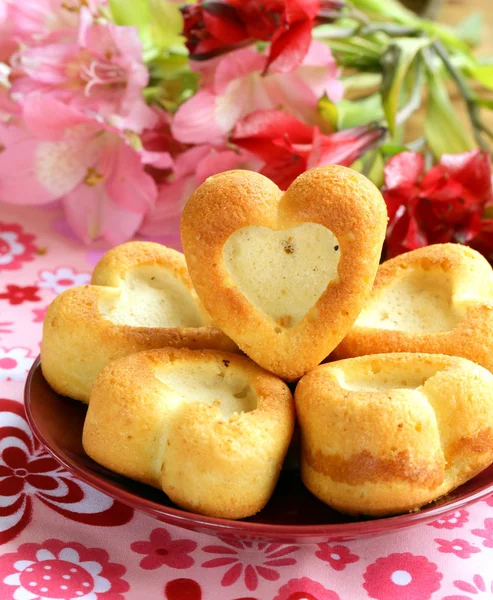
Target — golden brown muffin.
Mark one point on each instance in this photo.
(284, 274)
(210, 428)
(141, 297)
(388, 433)
(437, 299)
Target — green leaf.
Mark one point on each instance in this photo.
(395, 65)
(469, 30)
(483, 74)
(443, 131)
(159, 24)
(349, 113)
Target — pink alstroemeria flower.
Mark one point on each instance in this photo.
(63, 153)
(101, 71)
(191, 168)
(239, 88)
(34, 22)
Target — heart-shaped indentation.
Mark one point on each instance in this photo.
(151, 297)
(285, 275)
(282, 273)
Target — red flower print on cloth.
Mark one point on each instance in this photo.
(15, 363)
(404, 576)
(337, 556)
(250, 560)
(486, 533)
(478, 587)
(39, 314)
(28, 474)
(61, 279)
(182, 589)
(61, 571)
(489, 501)
(162, 550)
(305, 589)
(452, 521)
(17, 294)
(16, 247)
(461, 548)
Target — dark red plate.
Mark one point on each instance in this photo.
(292, 515)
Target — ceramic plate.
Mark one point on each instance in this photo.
(292, 515)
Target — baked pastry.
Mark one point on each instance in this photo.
(388, 433)
(210, 428)
(141, 297)
(437, 299)
(284, 274)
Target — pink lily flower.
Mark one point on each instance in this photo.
(62, 153)
(101, 71)
(240, 88)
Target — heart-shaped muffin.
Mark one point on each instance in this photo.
(438, 299)
(284, 274)
(389, 433)
(141, 297)
(210, 428)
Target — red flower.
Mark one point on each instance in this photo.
(17, 294)
(179, 589)
(337, 556)
(289, 147)
(451, 521)
(460, 548)
(236, 557)
(55, 569)
(28, 474)
(486, 533)
(305, 588)
(212, 28)
(446, 204)
(16, 246)
(402, 576)
(162, 550)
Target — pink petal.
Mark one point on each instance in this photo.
(186, 162)
(164, 217)
(91, 214)
(127, 184)
(232, 575)
(234, 65)
(217, 162)
(20, 185)
(195, 121)
(219, 562)
(48, 119)
(268, 574)
(219, 550)
(464, 586)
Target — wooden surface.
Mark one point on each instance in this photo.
(452, 12)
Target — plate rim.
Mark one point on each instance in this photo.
(186, 519)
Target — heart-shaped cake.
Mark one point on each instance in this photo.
(141, 297)
(437, 299)
(284, 274)
(389, 433)
(209, 428)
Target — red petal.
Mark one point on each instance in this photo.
(268, 124)
(11, 486)
(232, 575)
(43, 465)
(472, 170)
(183, 589)
(404, 168)
(42, 482)
(224, 28)
(289, 48)
(268, 574)
(251, 578)
(15, 457)
(219, 562)
(300, 10)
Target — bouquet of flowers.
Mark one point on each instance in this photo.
(117, 110)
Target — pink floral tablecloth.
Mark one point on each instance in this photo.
(61, 539)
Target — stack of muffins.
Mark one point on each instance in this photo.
(185, 360)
